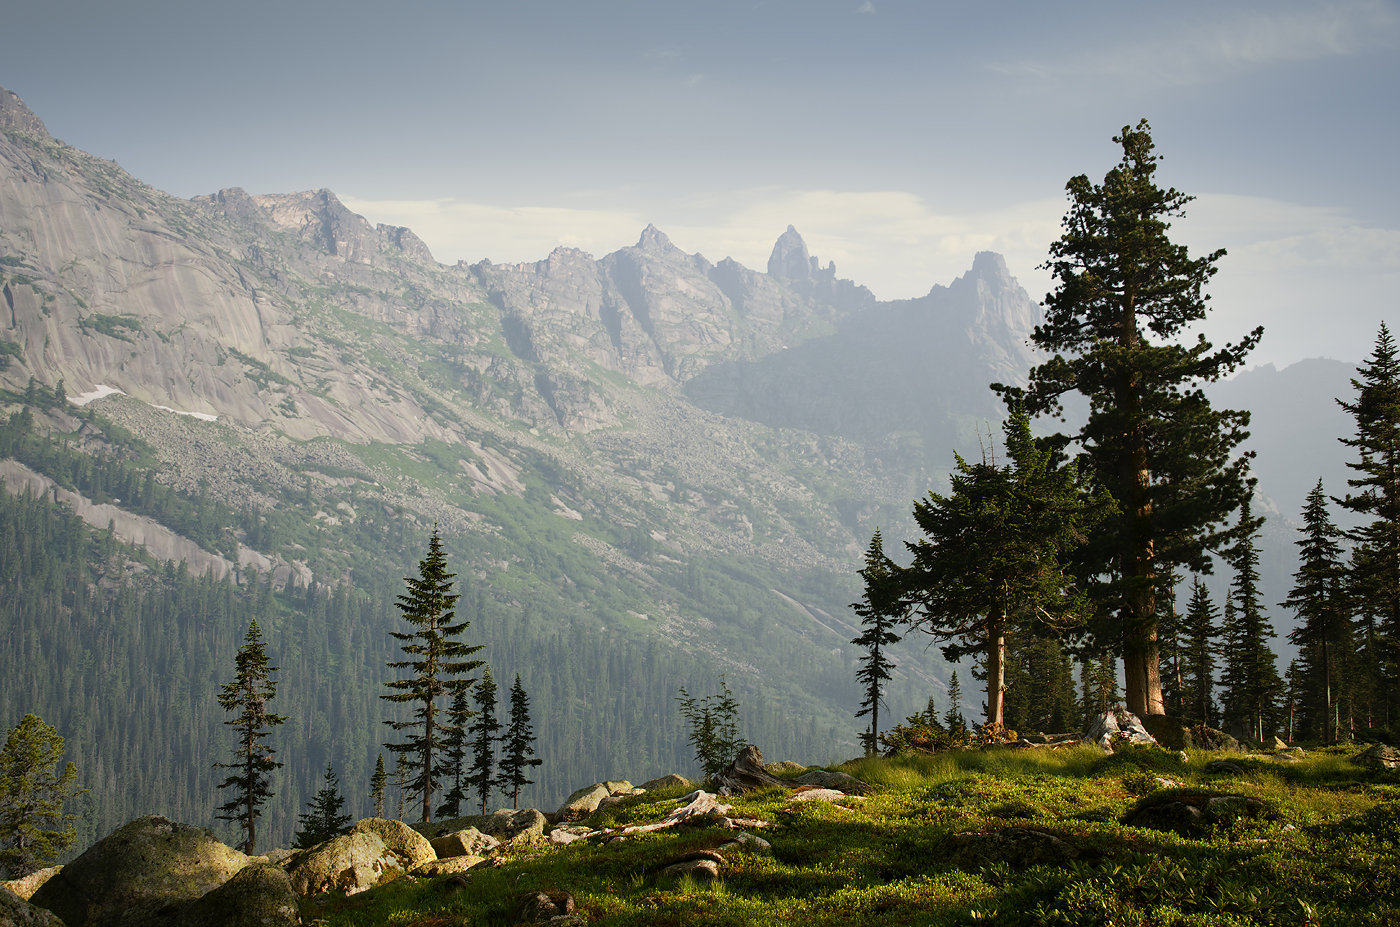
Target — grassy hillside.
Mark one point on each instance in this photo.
(1311, 841)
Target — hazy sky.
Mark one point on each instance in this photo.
(899, 137)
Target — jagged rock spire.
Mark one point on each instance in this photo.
(790, 258)
(15, 115)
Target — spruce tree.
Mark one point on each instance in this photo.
(1199, 636)
(880, 609)
(993, 555)
(248, 695)
(377, 782)
(1375, 574)
(953, 719)
(322, 819)
(483, 734)
(455, 749)
(519, 745)
(1251, 682)
(34, 828)
(1323, 634)
(1125, 298)
(437, 663)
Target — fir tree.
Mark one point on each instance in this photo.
(953, 719)
(1199, 635)
(438, 667)
(483, 735)
(34, 828)
(377, 782)
(1323, 634)
(248, 695)
(1171, 647)
(1250, 678)
(1098, 678)
(519, 745)
(881, 608)
(1375, 573)
(322, 819)
(455, 749)
(993, 555)
(1126, 296)
(714, 728)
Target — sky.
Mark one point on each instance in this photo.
(900, 138)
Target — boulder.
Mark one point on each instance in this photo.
(818, 795)
(28, 885)
(350, 864)
(1224, 767)
(747, 772)
(442, 867)
(695, 868)
(1117, 725)
(1191, 815)
(614, 786)
(466, 842)
(280, 857)
(565, 834)
(582, 803)
(544, 908)
(17, 912)
(671, 781)
(824, 779)
(516, 828)
(1279, 744)
(151, 863)
(403, 841)
(260, 895)
(1015, 846)
(1378, 757)
(748, 841)
(618, 797)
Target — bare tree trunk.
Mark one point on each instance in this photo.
(996, 672)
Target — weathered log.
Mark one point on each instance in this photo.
(747, 772)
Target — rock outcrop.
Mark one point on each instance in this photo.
(260, 895)
(17, 912)
(349, 865)
(152, 864)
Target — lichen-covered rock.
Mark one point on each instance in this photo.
(669, 781)
(566, 834)
(1378, 757)
(280, 857)
(441, 867)
(615, 786)
(517, 828)
(695, 868)
(582, 803)
(825, 779)
(403, 841)
(28, 885)
(466, 842)
(259, 896)
(818, 795)
(151, 863)
(17, 912)
(350, 864)
(784, 767)
(618, 797)
(1117, 725)
(1015, 846)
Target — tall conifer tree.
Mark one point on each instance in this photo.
(1125, 297)
(483, 734)
(1323, 634)
(1199, 643)
(322, 819)
(248, 694)
(377, 782)
(1250, 679)
(1375, 575)
(519, 745)
(880, 609)
(438, 664)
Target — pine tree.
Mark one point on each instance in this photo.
(1250, 678)
(438, 666)
(34, 828)
(248, 695)
(880, 608)
(993, 555)
(953, 719)
(377, 782)
(519, 745)
(1199, 635)
(483, 734)
(1151, 435)
(1323, 634)
(455, 749)
(1375, 574)
(322, 819)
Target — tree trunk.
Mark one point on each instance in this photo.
(996, 672)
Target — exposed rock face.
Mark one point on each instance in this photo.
(15, 115)
(260, 895)
(151, 864)
(16, 912)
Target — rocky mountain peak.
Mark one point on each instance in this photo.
(790, 258)
(653, 239)
(15, 115)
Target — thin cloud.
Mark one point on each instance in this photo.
(694, 80)
(1204, 52)
(866, 7)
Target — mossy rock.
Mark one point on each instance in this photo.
(259, 896)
